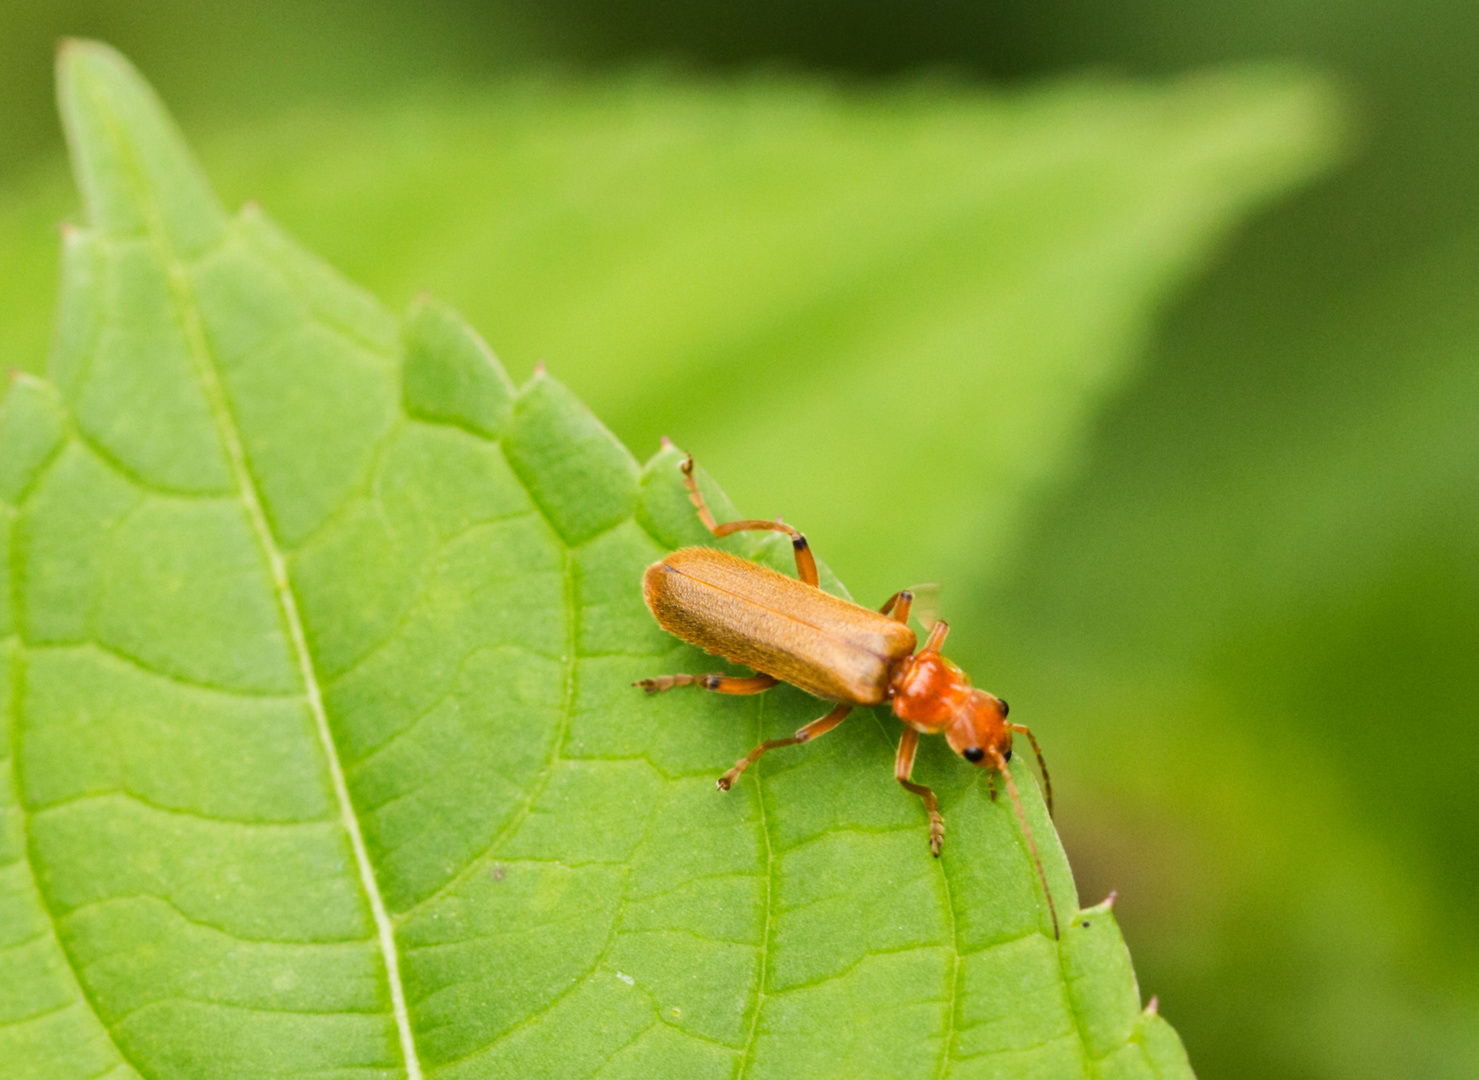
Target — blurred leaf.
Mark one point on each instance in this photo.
(772, 271)
(1267, 572)
(810, 286)
(322, 754)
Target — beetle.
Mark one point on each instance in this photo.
(788, 630)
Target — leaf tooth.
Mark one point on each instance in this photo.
(450, 373)
(580, 475)
(32, 426)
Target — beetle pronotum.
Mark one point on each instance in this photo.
(789, 630)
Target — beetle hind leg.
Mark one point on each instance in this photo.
(813, 730)
(720, 684)
(806, 563)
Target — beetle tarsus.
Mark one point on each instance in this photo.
(719, 684)
(937, 833)
(727, 780)
(657, 685)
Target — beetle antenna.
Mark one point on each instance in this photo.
(1006, 775)
(1047, 781)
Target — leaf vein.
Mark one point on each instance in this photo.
(843, 973)
(683, 931)
(112, 463)
(536, 789)
(198, 685)
(167, 902)
(247, 491)
(174, 811)
(172, 999)
(34, 481)
(42, 1015)
(43, 900)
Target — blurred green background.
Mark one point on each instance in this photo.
(1241, 604)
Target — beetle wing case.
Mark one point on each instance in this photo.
(751, 615)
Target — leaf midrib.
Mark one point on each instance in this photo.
(246, 490)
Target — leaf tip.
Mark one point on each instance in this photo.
(664, 443)
(126, 151)
(539, 371)
(76, 58)
(71, 49)
(1153, 1007)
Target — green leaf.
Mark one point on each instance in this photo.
(322, 753)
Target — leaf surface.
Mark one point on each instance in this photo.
(322, 754)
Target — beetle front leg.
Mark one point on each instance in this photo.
(720, 684)
(903, 768)
(811, 731)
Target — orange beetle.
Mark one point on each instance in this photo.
(789, 630)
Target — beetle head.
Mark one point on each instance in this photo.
(979, 732)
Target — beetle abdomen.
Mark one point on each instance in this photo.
(751, 615)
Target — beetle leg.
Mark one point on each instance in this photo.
(811, 731)
(806, 564)
(720, 684)
(936, 639)
(696, 496)
(903, 769)
(904, 599)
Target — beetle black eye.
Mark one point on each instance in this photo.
(1005, 708)
(1007, 756)
(973, 753)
